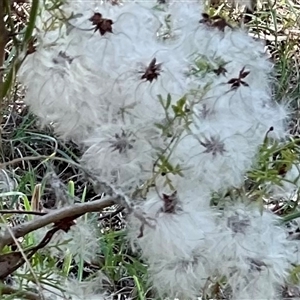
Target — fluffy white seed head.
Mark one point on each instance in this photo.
(252, 251)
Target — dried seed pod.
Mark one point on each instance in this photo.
(152, 71)
(101, 24)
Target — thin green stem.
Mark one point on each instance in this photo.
(291, 217)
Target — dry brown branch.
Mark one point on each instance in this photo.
(10, 262)
(54, 217)
(25, 259)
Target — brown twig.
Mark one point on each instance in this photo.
(12, 261)
(54, 217)
(14, 258)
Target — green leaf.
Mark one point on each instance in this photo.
(159, 126)
(168, 101)
(161, 100)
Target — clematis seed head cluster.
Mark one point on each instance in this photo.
(170, 105)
